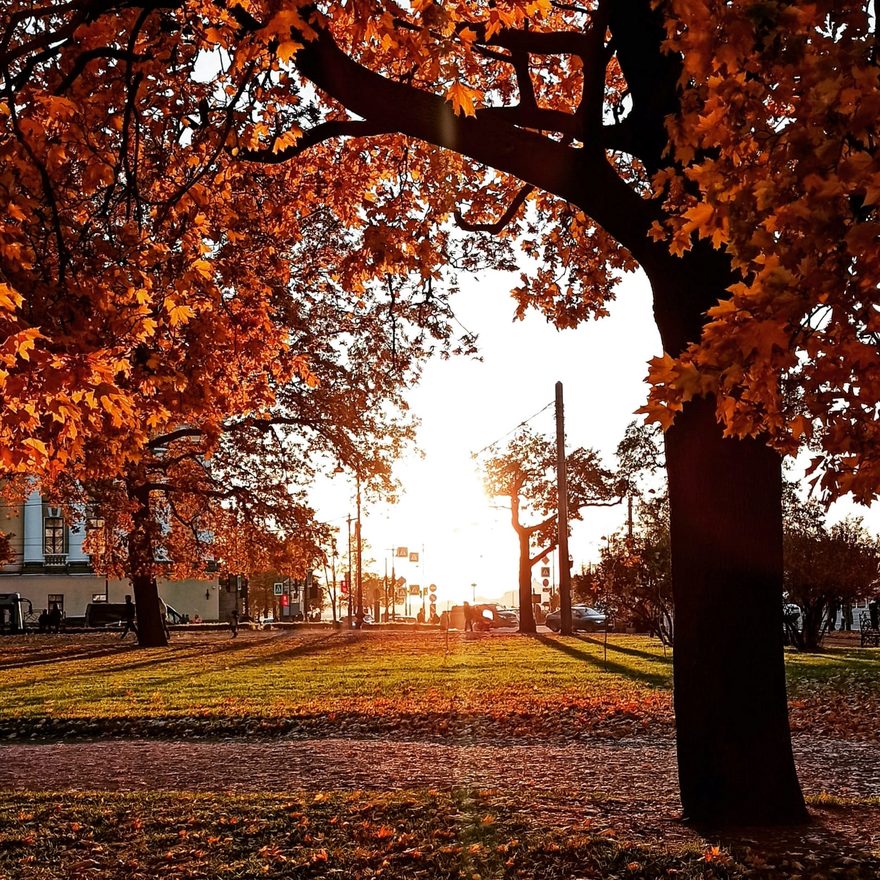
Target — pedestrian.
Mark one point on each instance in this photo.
(43, 621)
(233, 622)
(874, 612)
(54, 620)
(468, 618)
(128, 612)
(163, 614)
(420, 617)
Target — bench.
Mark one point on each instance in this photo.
(870, 635)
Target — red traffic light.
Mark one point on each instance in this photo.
(285, 599)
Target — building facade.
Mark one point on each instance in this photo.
(51, 567)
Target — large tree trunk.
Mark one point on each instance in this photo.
(526, 612)
(150, 626)
(734, 744)
(725, 503)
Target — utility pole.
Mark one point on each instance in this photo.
(562, 523)
(360, 589)
(393, 587)
(348, 575)
(333, 572)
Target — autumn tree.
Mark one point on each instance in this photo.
(726, 148)
(635, 575)
(180, 317)
(523, 473)
(824, 568)
(235, 489)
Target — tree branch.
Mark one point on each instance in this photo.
(502, 221)
(325, 131)
(582, 177)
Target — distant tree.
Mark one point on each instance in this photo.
(634, 575)
(824, 567)
(524, 473)
(7, 554)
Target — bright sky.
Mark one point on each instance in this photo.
(463, 537)
(465, 404)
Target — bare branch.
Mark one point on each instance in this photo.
(325, 131)
(503, 220)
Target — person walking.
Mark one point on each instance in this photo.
(468, 617)
(233, 622)
(54, 620)
(128, 612)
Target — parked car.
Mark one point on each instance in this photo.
(506, 617)
(583, 618)
(111, 614)
(350, 620)
(485, 617)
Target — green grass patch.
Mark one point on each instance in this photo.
(309, 678)
(410, 683)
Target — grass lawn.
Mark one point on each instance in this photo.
(410, 682)
(310, 679)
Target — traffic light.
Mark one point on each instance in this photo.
(285, 600)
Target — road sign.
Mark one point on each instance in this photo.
(545, 571)
(545, 583)
(414, 557)
(415, 590)
(277, 589)
(402, 552)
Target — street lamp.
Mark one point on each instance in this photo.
(360, 587)
(359, 591)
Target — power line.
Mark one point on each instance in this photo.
(523, 423)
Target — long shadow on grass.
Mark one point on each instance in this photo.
(60, 656)
(266, 658)
(172, 655)
(123, 651)
(157, 682)
(632, 652)
(657, 680)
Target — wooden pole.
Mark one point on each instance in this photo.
(562, 523)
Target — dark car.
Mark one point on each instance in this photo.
(484, 617)
(506, 617)
(112, 614)
(583, 618)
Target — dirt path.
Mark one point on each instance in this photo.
(599, 768)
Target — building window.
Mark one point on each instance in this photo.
(56, 599)
(53, 536)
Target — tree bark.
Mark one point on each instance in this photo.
(725, 504)
(526, 612)
(734, 743)
(150, 627)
